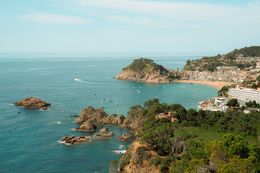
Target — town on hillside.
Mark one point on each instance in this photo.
(240, 68)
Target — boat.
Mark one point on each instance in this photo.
(119, 151)
(76, 79)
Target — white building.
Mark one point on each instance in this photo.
(244, 94)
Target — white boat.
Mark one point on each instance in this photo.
(119, 151)
(76, 79)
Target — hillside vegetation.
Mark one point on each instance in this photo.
(242, 58)
(199, 141)
(146, 65)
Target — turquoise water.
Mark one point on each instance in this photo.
(29, 139)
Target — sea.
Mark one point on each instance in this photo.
(29, 139)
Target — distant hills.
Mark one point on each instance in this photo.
(243, 58)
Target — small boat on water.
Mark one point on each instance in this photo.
(76, 78)
(119, 151)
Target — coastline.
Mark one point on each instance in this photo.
(215, 84)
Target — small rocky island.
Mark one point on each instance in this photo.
(146, 70)
(71, 140)
(33, 103)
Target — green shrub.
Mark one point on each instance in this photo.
(156, 161)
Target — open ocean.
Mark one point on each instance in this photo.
(29, 138)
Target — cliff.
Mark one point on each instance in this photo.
(145, 70)
(242, 58)
(138, 158)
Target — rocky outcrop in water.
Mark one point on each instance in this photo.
(33, 103)
(125, 137)
(71, 140)
(90, 117)
(145, 70)
(87, 126)
(104, 132)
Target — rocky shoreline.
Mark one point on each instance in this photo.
(90, 119)
(130, 75)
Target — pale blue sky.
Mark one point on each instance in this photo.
(128, 27)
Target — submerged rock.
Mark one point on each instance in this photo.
(33, 103)
(70, 140)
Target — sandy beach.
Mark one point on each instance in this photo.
(215, 84)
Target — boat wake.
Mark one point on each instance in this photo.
(78, 79)
(121, 146)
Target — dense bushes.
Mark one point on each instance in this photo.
(160, 133)
(180, 151)
(233, 103)
(144, 64)
(229, 154)
(252, 104)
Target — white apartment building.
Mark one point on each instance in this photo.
(244, 94)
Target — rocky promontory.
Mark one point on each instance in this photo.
(90, 118)
(33, 103)
(138, 158)
(146, 70)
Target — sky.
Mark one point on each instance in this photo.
(128, 27)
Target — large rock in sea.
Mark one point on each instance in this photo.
(87, 126)
(91, 114)
(33, 103)
(145, 70)
(104, 132)
(98, 117)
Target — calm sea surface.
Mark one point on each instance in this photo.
(29, 139)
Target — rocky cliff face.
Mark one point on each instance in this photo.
(131, 75)
(145, 70)
(138, 159)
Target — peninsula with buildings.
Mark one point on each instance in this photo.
(238, 72)
(240, 66)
